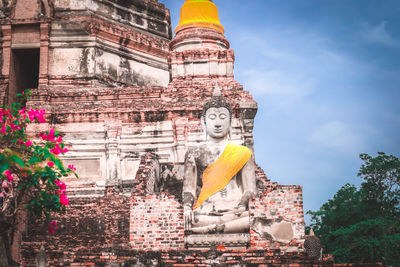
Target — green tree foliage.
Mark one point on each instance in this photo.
(363, 225)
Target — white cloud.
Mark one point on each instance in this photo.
(281, 67)
(276, 82)
(337, 136)
(378, 34)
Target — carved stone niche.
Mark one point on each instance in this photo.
(161, 178)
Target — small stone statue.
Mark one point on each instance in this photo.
(219, 177)
(41, 260)
(313, 246)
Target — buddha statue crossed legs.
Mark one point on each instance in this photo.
(219, 177)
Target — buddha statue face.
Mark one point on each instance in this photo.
(218, 122)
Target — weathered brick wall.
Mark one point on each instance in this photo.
(282, 203)
(156, 218)
(3, 83)
(156, 223)
(74, 102)
(3, 90)
(4, 57)
(89, 223)
(277, 202)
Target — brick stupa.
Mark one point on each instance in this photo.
(128, 99)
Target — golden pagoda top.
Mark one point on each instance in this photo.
(199, 13)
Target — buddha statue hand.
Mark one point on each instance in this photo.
(188, 199)
(239, 210)
(244, 201)
(188, 216)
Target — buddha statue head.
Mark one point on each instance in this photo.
(217, 116)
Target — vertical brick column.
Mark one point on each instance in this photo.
(44, 54)
(6, 58)
(180, 130)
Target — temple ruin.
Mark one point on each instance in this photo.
(128, 96)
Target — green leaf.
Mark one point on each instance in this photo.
(15, 158)
(4, 166)
(34, 160)
(57, 162)
(47, 154)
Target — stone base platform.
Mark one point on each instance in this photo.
(210, 257)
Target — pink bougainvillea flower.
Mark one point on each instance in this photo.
(40, 116)
(37, 114)
(4, 129)
(60, 184)
(64, 200)
(22, 112)
(50, 164)
(50, 136)
(31, 114)
(71, 167)
(60, 192)
(56, 150)
(53, 225)
(15, 127)
(27, 143)
(4, 184)
(43, 136)
(51, 230)
(7, 173)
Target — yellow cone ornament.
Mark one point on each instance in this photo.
(199, 13)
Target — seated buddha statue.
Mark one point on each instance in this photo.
(219, 177)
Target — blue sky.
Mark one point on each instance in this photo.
(326, 76)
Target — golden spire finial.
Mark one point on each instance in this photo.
(199, 13)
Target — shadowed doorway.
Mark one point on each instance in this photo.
(24, 71)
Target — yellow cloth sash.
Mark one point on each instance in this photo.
(220, 173)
